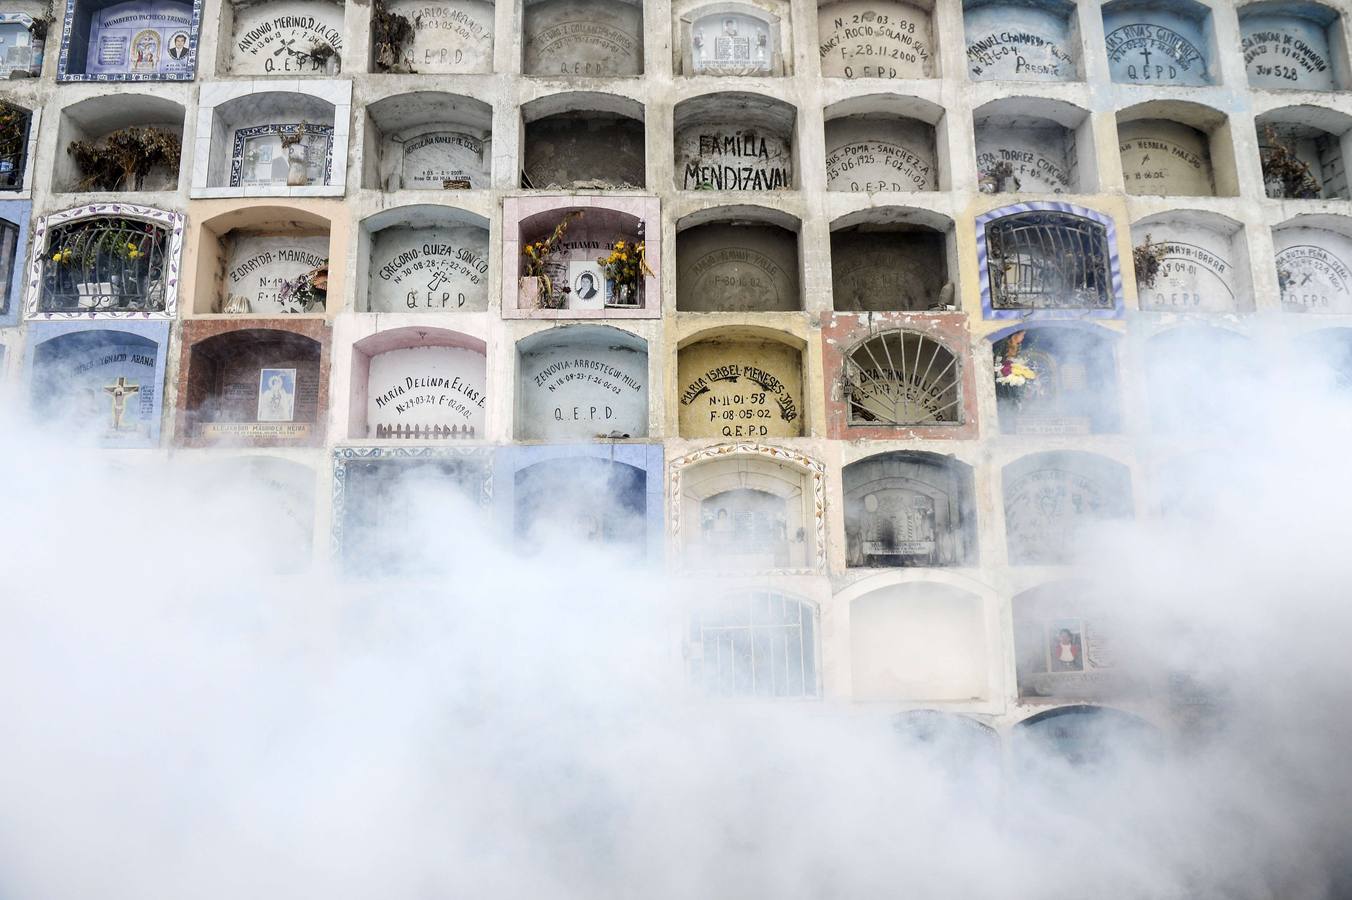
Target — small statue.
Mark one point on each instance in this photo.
(297, 162)
(236, 304)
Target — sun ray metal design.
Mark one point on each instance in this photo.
(903, 378)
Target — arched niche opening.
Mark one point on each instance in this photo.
(760, 644)
(1049, 259)
(1290, 45)
(958, 748)
(735, 142)
(577, 281)
(1175, 149)
(1056, 380)
(583, 141)
(1191, 261)
(263, 260)
(740, 382)
(1082, 737)
(271, 142)
(737, 259)
(745, 508)
(918, 641)
(593, 38)
(90, 127)
(1022, 41)
(378, 491)
(281, 38)
(253, 386)
(885, 143)
(1034, 145)
(1051, 500)
(418, 384)
(909, 508)
(901, 377)
(451, 38)
(893, 259)
(17, 146)
(23, 35)
(1301, 149)
(101, 382)
(14, 218)
(1152, 42)
(131, 40)
(887, 39)
(271, 501)
(581, 383)
(428, 141)
(582, 499)
(424, 259)
(1068, 645)
(1314, 264)
(1196, 377)
(115, 261)
(732, 38)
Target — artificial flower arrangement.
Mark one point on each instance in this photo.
(535, 256)
(124, 238)
(1013, 373)
(625, 267)
(305, 292)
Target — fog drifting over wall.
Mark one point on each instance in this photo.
(178, 722)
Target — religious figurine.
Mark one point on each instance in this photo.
(236, 304)
(298, 165)
(120, 391)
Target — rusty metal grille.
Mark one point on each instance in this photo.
(13, 147)
(760, 644)
(1048, 260)
(903, 378)
(105, 264)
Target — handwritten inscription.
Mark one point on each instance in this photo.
(1143, 52)
(739, 399)
(1020, 56)
(867, 166)
(735, 161)
(882, 40)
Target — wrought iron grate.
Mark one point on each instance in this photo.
(1048, 260)
(105, 264)
(903, 378)
(761, 644)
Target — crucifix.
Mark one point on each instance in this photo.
(120, 391)
(1145, 54)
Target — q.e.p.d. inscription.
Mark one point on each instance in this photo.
(1146, 53)
(449, 36)
(1313, 279)
(440, 269)
(740, 390)
(281, 38)
(583, 392)
(861, 39)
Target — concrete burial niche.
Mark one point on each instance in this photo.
(734, 142)
(91, 120)
(593, 38)
(1314, 254)
(248, 261)
(1052, 500)
(1200, 263)
(909, 509)
(18, 150)
(576, 284)
(1293, 46)
(133, 40)
(14, 218)
(418, 384)
(882, 143)
(745, 263)
(876, 39)
(747, 508)
(253, 383)
(755, 644)
(731, 38)
(740, 383)
(1165, 159)
(105, 261)
(272, 138)
(1034, 146)
(583, 141)
(1082, 736)
(281, 38)
(451, 37)
(23, 39)
(580, 498)
(899, 377)
(1068, 647)
(102, 382)
(581, 383)
(918, 641)
(1024, 40)
(1049, 259)
(1195, 375)
(423, 259)
(1056, 380)
(378, 491)
(427, 141)
(893, 259)
(1153, 42)
(1301, 149)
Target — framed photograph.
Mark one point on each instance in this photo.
(1065, 645)
(587, 283)
(276, 395)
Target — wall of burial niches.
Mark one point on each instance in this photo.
(583, 37)
(424, 259)
(280, 511)
(93, 119)
(417, 383)
(22, 41)
(428, 141)
(582, 382)
(280, 38)
(1314, 136)
(582, 498)
(1182, 367)
(1203, 264)
(1021, 41)
(449, 37)
(256, 265)
(1160, 44)
(1020, 148)
(1293, 46)
(888, 39)
(740, 385)
(743, 267)
(1313, 267)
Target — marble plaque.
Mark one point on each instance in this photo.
(730, 44)
(258, 264)
(153, 38)
(582, 392)
(740, 389)
(276, 38)
(597, 38)
(449, 37)
(866, 155)
(1161, 52)
(1165, 159)
(100, 382)
(426, 387)
(441, 269)
(723, 157)
(862, 39)
(1013, 42)
(441, 159)
(1286, 53)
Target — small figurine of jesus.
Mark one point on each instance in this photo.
(120, 391)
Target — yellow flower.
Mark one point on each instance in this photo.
(1022, 371)
(624, 257)
(619, 245)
